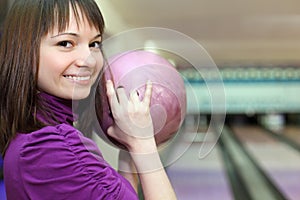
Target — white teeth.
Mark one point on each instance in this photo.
(78, 78)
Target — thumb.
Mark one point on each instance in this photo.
(113, 137)
(111, 131)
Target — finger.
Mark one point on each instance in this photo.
(110, 131)
(111, 94)
(122, 95)
(148, 93)
(134, 96)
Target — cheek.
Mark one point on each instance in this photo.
(47, 62)
(53, 62)
(100, 63)
(51, 67)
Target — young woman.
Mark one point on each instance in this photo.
(51, 62)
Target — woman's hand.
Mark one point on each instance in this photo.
(133, 123)
(133, 127)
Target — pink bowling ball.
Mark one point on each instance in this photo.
(132, 70)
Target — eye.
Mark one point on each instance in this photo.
(96, 45)
(66, 44)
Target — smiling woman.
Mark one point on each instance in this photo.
(50, 65)
(79, 46)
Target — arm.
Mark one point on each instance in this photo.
(154, 180)
(133, 127)
(127, 169)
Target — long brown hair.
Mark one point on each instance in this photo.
(26, 23)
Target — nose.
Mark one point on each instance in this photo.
(86, 58)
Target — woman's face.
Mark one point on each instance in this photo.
(70, 61)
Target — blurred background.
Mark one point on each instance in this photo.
(255, 46)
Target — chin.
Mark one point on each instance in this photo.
(79, 95)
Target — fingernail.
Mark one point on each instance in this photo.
(108, 82)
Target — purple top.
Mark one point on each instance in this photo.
(58, 162)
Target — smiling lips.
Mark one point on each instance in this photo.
(77, 78)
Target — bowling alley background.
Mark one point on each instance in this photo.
(254, 152)
(255, 46)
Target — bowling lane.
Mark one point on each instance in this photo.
(197, 178)
(279, 161)
(292, 132)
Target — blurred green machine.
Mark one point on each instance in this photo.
(243, 89)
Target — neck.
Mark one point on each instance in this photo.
(54, 110)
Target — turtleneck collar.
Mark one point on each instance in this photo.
(54, 110)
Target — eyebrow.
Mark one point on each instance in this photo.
(61, 34)
(73, 34)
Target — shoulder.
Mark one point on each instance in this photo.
(55, 142)
(61, 161)
(47, 137)
(51, 148)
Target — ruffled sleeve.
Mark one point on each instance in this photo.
(60, 163)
